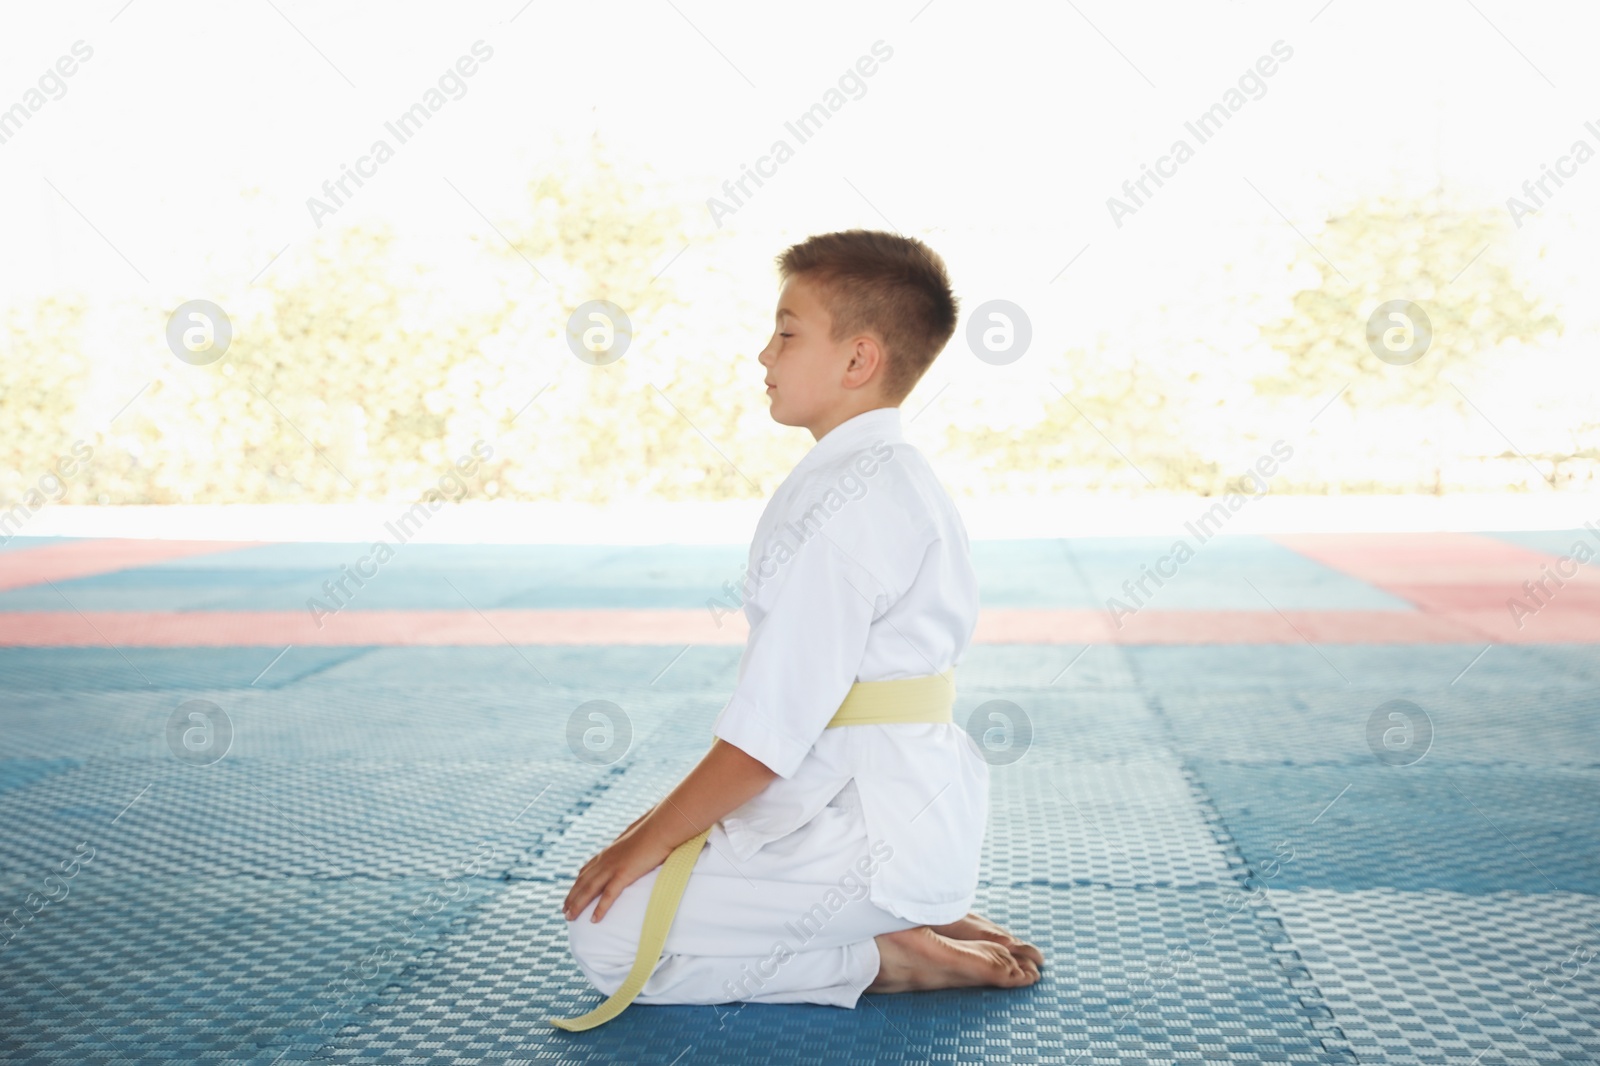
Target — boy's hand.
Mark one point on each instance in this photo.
(723, 780)
(635, 853)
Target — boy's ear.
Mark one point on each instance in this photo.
(866, 348)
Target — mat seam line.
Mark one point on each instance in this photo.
(1302, 984)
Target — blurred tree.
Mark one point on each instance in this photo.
(329, 393)
(369, 357)
(43, 373)
(1111, 421)
(664, 420)
(1447, 259)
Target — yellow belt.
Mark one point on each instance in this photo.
(912, 699)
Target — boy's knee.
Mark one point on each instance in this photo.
(601, 948)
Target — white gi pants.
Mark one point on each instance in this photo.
(791, 924)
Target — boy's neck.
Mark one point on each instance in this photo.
(834, 419)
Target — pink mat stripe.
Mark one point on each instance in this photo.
(166, 629)
(1470, 580)
(138, 629)
(86, 558)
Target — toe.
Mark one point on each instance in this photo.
(1029, 972)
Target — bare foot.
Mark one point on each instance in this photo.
(976, 927)
(917, 960)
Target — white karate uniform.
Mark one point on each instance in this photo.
(860, 569)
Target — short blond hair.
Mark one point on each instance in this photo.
(895, 286)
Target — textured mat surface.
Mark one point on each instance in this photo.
(1434, 976)
(1129, 824)
(275, 819)
(1469, 829)
(215, 969)
(1153, 976)
(1229, 852)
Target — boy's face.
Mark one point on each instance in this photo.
(811, 381)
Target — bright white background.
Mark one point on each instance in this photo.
(186, 148)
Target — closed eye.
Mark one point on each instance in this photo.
(786, 334)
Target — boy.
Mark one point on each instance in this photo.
(838, 860)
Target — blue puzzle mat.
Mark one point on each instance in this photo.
(1202, 838)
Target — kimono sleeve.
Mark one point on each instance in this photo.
(802, 657)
